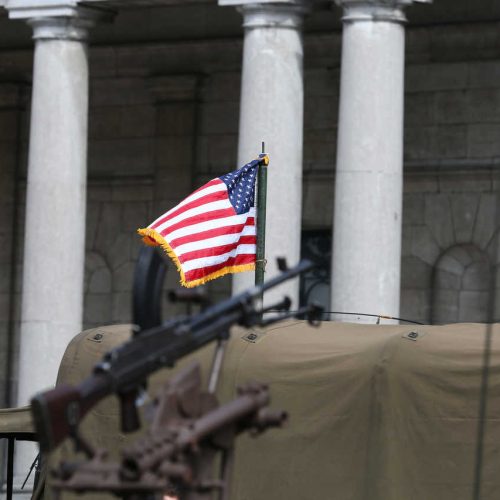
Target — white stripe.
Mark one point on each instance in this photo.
(194, 196)
(203, 209)
(190, 265)
(234, 220)
(216, 241)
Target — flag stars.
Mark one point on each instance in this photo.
(240, 187)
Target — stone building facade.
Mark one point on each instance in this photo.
(164, 117)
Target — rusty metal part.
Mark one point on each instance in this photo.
(188, 432)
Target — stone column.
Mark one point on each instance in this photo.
(368, 188)
(54, 246)
(271, 110)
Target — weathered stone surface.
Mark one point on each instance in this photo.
(5, 248)
(482, 140)
(420, 108)
(219, 117)
(98, 191)
(449, 141)
(132, 156)
(321, 81)
(320, 149)
(446, 280)
(97, 310)
(320, 112)
(109, 218)
(432, 77)
(464, 182)
(103, 62)
(104, 122)
(318, 204)
(474, 306)
(176, 118)
(100, 281)
(445, 308)
(118, 91)
(439, 220)
(413, 209)
(140, 191)
(493, 249)
(451, 265)
(483, 105)
(431, 142)
(415, 305)
(463, 210)
(93, 213)
(135, 215)
(123, 277)
(121, 307)
(452, 106)
(417, 183)
(222, 150)
(119, 251)
(483, 74)
(8, 125)
(415, 273)
(486, 220)
(477, 277)
(223, 86)
(464, 254)
(423, 245)
(94, 264)
(496, 305)
(406, 239)
(173, 152)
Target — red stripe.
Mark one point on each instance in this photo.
(239, 260)
(196, 219)
(209, 198)
(211, 233)
(220, 250)
(209, 183)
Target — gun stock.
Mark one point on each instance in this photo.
(57, 413)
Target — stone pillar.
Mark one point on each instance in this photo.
(271, 110)
(369, 174)
(54, 246)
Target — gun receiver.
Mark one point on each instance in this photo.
(124, 370)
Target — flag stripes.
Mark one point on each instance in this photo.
(212, 231)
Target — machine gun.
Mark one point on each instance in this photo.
(124, 370)
(177, 454)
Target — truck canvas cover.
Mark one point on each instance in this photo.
(378, 412)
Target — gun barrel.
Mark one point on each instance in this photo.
(58, 412)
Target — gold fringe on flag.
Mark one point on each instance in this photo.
(152, 238)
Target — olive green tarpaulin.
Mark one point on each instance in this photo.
(376, 412)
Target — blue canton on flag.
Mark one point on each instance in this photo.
(240, 187)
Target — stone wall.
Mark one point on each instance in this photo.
(443, 212)
(164, 119)
(12, 137)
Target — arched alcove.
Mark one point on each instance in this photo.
(462, 286)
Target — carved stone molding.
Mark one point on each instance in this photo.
(59, 20)
(374, 10)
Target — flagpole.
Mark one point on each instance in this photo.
(260, 265)
(260, 257)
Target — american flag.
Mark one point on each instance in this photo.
(211, 232)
